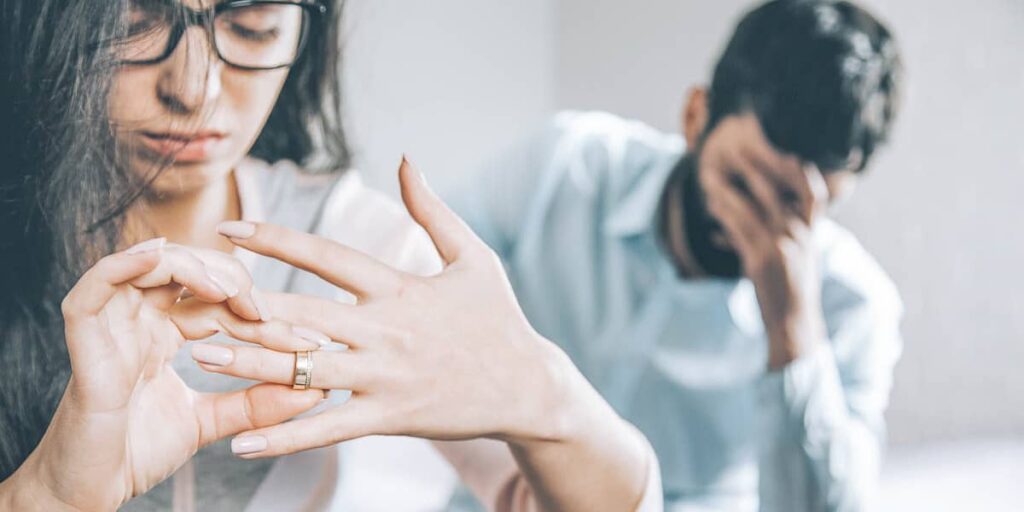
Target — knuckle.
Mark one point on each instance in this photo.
(408, 287)
(68, 307)
(489, 257)
(399, 339)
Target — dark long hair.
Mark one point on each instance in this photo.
(63, 194)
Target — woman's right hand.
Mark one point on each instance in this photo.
(127, 421)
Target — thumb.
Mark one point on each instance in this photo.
(451, 236)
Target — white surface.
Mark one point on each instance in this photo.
(955, 477)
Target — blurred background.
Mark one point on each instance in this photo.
(453, 81)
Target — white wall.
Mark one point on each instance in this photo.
(446, 81)
(940, 209)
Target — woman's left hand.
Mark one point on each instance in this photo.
(444, 357)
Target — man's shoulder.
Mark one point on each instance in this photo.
(605, 155)
(853, 278)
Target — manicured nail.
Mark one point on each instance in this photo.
(236, 229)
(154, 244)
(248, 444)
(227, 287)
(261, 304)
(215, 355)
(311, 335)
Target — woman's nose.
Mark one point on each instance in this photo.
(190, 77)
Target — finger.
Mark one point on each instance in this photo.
(764, 194)
(785, 170)
(225, 414)
(450, 234)
(340, 265)
(182, 267)
(355, 326)
(352, 420)
(739, 219)
(198, 320)
(101, 282)
(232, 274)
(332, 369)
(819, 190)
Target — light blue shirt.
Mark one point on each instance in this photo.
(572, 214)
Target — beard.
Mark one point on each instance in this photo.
(701, 227)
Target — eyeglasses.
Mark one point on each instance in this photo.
(245, 34)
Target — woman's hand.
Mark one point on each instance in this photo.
(127, 421)
(446, 357)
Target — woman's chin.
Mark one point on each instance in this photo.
(189, 177)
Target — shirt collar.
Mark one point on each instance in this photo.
(634, 213)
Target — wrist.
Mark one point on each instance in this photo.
(789, 343)
(566, 409)
(26, 490)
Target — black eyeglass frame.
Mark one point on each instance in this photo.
(203, 18)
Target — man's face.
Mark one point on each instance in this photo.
(737, 154)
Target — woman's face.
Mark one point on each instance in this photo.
(191, 107)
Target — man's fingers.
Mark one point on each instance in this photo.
(332, 369)
(340, 265)
(225, 414)
(744, 226)
(765, 195)
(451, 236)
(785, 170)
(818, 189)
(349, 421)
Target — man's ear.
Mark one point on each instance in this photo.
(695, 115)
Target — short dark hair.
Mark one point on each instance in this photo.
(821, 76)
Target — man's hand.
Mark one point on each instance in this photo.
(767, 204)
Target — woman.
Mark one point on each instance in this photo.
(175, 129)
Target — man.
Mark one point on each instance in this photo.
(704, 292)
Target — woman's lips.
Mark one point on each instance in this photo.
(182, 148)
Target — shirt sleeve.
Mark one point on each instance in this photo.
(822, 428)
(497, 198)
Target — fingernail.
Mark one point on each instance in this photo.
(227, 287)
(212, 354)
(248, 444)
(261, 304)
(311, 335)
(236, 229)
(147, 246)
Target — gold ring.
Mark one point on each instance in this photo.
(303, 370)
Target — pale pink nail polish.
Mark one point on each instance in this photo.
(212, 354)
(314, 336)
(248, 444)
(147, 246)
(227, 287)
(261, 305)
(237, 229)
